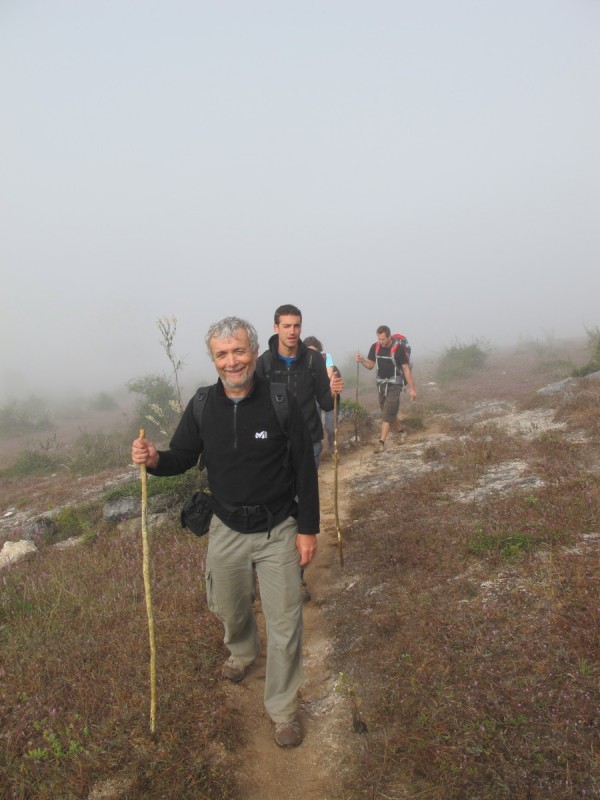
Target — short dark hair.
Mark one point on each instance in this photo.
(287, 310)
(384, 329)
(312, 341)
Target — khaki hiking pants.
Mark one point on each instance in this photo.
(230, 591)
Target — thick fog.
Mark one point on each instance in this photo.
(431, 166)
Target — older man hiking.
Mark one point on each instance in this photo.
(265, 499)
(393, 371)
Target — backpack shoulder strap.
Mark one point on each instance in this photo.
(266, 359)
(279, 398)
(200, 403)
(280, 401)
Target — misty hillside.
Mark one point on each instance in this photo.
(454, 654)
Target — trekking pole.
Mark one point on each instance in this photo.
(146, 570)
(356, 409)
(336, 458)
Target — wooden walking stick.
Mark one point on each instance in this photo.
(336, 458)
(356, 409)
(146, 570)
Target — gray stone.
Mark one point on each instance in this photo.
(134, 524)
(557, 388)
(489, 409)
(593, 376)
(567, 386)
(40, 530)
(503, 478)
(122, 508)
(72, 541)
(161, 502)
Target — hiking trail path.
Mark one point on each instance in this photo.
(312, 770)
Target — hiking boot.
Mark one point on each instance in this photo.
(233, 671)
(379, 447)
(304, 591)
(288, 734)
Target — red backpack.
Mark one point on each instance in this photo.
(398, 339)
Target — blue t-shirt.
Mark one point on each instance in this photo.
(289, 360)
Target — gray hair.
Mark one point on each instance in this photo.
(227, 327)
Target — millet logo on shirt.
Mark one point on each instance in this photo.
(260, 435)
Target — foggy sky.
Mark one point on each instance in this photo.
(432, 166)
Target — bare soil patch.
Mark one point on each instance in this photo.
(264, 771)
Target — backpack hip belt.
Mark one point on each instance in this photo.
(243, 511)
(397, 380)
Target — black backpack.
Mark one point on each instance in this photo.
(310, 363)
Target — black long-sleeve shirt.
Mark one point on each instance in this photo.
(248, 462)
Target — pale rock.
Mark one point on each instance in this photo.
(12, 552)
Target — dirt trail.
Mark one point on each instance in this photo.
(265, 771)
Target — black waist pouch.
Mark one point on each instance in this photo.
(196, 513)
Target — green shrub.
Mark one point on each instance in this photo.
(103, 402)
(512, 544)
(32, 462)
(93, 452)
(414, 422)
(18, 418)
(349, 409)
(69, 522)
(157, 408)
(462, 360)
(593, 364)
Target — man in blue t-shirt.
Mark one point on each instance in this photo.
(303, 370)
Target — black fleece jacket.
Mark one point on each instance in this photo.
(246, 453)
(308, 385)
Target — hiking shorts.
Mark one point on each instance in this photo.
(389, 401)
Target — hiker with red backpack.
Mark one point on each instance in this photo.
(391, 354)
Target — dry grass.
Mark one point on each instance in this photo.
(74, 689)
(469, 635)
(472, 635)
